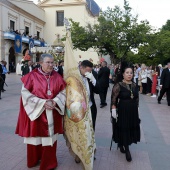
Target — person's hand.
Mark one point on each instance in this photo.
(90, 76)
(114, 114)
(160, 86)
(50, 104)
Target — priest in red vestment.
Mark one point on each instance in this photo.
(42, 107)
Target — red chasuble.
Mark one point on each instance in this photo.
(36, 84)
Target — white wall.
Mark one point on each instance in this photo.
(78, 14)
(21, 18)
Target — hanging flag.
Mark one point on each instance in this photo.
(78, 126)
(31, 44)
(18, 44)
(42, 44)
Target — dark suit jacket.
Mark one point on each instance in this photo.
(60, 70)
(25, 69)
(103, 77)
(165, 78)
(1, 70)
(1, 80)
(94, 89)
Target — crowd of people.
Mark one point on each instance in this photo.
(43, 104)
(50, 99)
(149, 79)
(25, 34)
(3, 72)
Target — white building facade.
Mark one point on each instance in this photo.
(82, 11)
(27, 18)
(45, 21)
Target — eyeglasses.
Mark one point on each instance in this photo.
(49, 63)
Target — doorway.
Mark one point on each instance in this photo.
(12, 60)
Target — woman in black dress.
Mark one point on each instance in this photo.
(124, 108)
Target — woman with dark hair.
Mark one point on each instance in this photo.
(124, 108)
(155, 80)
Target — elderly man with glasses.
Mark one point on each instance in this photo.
(41, 111)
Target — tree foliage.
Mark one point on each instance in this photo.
(157, 49)
(116, 33)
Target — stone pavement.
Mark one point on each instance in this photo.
(152, 153)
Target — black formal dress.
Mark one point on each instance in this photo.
(103, 78)
(127, 128)
(165, 82)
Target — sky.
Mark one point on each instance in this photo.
(155, 11)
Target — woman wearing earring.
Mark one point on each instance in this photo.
(124, 108)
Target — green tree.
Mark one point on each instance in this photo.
(116, 33)
(166, 27)
(157, 49)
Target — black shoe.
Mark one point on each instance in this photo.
(94, 158)
(122, 150)
(159, 102)
(128, 156)
(103, 105)
(168, 104)
(77, 160)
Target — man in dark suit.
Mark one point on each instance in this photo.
(60, 67)
(103, 77)
(1, 80)
(89, 78)
(165, 84)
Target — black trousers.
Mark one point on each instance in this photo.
(162, 92)
(103, 95)
(3, 77)
(1, 83)
(137, 84)
(94, 115)
(149, 85)
(144, 88)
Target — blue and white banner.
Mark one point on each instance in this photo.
(31, 44)
(42, 44)
(18, 43)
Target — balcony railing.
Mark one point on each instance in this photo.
(25, 39)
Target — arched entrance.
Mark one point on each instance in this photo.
(12, 60)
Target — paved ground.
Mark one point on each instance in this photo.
(152, 153)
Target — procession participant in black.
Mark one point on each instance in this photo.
(1, 80)
(61, 68)
(124, 110)
(165, 84)
(89, 77)
(3, 75)
(103, 78)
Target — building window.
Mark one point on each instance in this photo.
(12, 25)
(27, 30)
(60, 18)
(38, 34)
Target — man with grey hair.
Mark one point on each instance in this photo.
(41, 111)
(165, 84)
